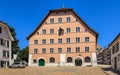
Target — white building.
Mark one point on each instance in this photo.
(115, 53)
(5, 45)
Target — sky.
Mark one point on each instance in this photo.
(103, 16)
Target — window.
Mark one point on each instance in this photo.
(77, 29)
(77, 39)
(117, 47)
(7, 62)
(4, 43)
(67, 40)
(60, 31)
(51, 31)
(69, 60)
(43, 41)
(34, 61)
(44, 31)
(59, 20)
(37, 33)
(86, 39)
(59, 50)
(0, 29)
(51, 20)
(35, 51)
(113, 49)
(77, 20)
(43, 50)
(7, 43)
(68, 50)
(51, 41)
(68, 30)
(4, 53)
(51, 50)
(65, 12)
(7, 54)
(86, 30)
(35, 42)
(87, 59)
(1, 41)
(56, 12)
(118, 57)
(52, 60)
(45, 22)
(77, 49)
(68, 19)
(86, 49)
(60, 40)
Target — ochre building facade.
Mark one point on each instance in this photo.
(62, 39)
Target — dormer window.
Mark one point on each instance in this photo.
(60, 31)
(0, 29)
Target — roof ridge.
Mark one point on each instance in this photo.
(61, 9)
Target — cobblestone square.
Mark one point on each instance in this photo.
(53, 71)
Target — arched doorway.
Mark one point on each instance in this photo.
(78, 62)
(41, 62)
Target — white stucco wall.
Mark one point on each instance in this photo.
(6, 36)
(30, 60)
(94, 59)
(113, 60)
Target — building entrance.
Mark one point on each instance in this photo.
(78, 62)
(41, 62)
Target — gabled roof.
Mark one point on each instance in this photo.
(114, 39)
(8, 31)
(62, 9)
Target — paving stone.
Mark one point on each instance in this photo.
(53, 71)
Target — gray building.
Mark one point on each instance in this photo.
(115, 53)
(5, 45)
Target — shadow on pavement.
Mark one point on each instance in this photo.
(112, 70)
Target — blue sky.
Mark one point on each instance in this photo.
(24, 15)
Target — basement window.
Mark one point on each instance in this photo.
(34, 61)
